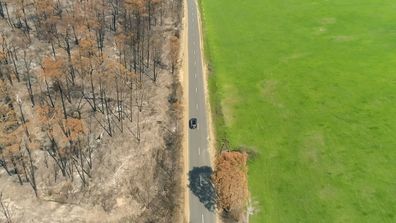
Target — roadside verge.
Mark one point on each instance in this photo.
(183, 75)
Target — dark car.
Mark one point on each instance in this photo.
(193, 123)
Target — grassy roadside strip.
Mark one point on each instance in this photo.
(213, 90)
(221, 137)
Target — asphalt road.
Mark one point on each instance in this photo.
(199, 160)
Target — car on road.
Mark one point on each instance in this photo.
(193, 123)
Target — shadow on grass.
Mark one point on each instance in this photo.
(201, 185)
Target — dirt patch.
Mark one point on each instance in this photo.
(312, 146)
(269, 90)
(227, 104)
(343, 38)
(320, 30)
(328, 192)
(328, 21)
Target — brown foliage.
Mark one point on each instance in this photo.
(2, 55)
(75, 127)
(53, 69)
(87, 47)
(230, 179)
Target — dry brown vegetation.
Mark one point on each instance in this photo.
(230, 180)
(89, 111)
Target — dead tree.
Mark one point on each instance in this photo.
(31, 173)
(5, 209)
(27, 61)
(54, 70)
(11, 51)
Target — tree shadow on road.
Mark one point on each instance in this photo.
(201, 185)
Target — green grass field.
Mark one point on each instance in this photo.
(311, 86)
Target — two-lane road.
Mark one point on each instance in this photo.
(198, 138)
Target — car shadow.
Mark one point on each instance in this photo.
(201, 185)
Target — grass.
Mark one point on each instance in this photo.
(311, 86)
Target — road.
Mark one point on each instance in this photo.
(199, 159)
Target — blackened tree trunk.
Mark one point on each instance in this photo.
(27, 62)
(118, 94)
(108, 117)
(24, 120)
(53, 49)
(8, 16)
(13, 59)
(32, 174)
(16, 170)
(4, 165)
(62, 100)
(131, 101)
(92, 90)
(48, 93)
(101, 91)
(1, 10)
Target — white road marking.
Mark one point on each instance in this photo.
(196, 106)
(203, 220)
(194, 52)
(199, 150)
(196, 90)
(195, 75)
(195, 62)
